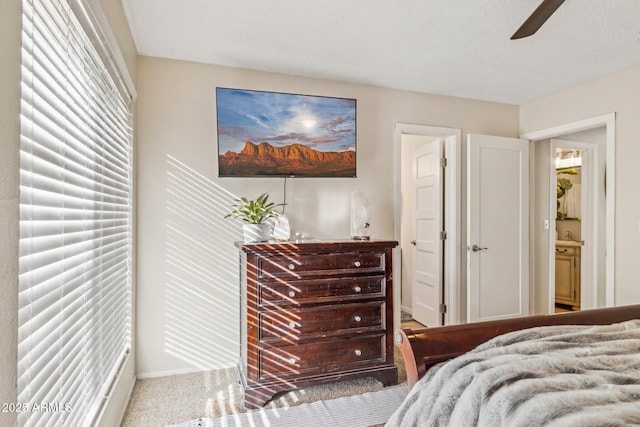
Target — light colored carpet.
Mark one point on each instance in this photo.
(156, 402)
(360, 410)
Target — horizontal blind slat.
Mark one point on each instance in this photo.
(80, 165)
(46, 263)
(42, 127)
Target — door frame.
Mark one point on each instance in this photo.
(609, 122)
(452, 215)
(588, 258)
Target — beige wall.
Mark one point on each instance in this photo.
(619, 93)
(188, 279)
(539, 294)
(10, 27)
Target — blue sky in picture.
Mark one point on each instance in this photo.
(321, 123)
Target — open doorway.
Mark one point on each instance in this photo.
(597, 229)
(574, 259)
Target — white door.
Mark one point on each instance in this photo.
(427, 256)
(497, 227)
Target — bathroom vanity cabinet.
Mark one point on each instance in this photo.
(568, 274)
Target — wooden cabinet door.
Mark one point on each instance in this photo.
(565, 279)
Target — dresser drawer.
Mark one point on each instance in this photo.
(296, 324)
(300, 265)
(329, 356)
(321, 290)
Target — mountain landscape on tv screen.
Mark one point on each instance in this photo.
(295, 159)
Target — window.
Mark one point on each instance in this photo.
(75, 219)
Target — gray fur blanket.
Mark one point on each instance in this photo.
(546, 376)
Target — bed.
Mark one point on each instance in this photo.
(578, 368)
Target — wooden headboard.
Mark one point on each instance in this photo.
(423, 348)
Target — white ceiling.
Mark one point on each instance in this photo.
(448, 47)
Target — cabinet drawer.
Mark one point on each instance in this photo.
(567, 250)
(296, 324)
(300, 265)
(322, 290)
(339, 354)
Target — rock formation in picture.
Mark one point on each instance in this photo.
(294, 159)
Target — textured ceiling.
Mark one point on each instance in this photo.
(448, 47)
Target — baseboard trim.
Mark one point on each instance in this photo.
(157, 374)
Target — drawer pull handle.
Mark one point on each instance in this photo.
(357, 289)
(292, 294)
(292, 361)
(357, 318)
(292, 266)
(292, 325)
(358, 353)
(357, 263)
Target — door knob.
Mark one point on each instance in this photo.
(476, 248)
(413, 242)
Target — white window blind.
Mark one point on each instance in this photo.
(75, 222)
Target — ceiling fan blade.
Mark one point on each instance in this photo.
(537, 18)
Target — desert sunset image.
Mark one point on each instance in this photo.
(266, 133)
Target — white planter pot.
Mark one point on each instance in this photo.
(256, 232)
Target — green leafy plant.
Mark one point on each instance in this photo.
(254, 211)
(564, 184)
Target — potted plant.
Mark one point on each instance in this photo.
(254, 214)
(563, 184)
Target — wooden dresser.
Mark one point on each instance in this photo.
(314, 312)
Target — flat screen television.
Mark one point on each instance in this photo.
(281, 134)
